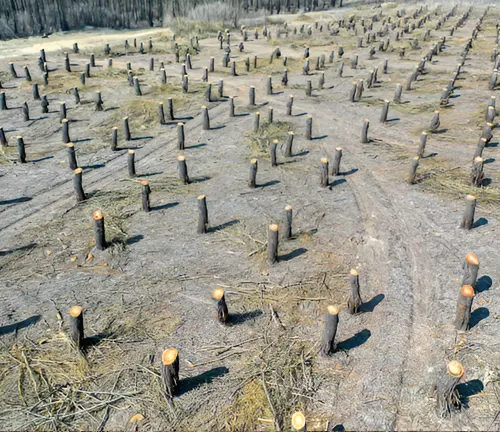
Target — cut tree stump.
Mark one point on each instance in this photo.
(448, 398)
(272, 244)
(100, 235)
(464, 307)
(329, 330)
(354, 302)
(471, 269)
(76, 323)
(470, 208)
(222, 311)
(169, 369)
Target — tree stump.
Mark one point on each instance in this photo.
(222, 311)
(272, 150)
(145, 192)
(398, 93)
(477, 174)
(65, 131)
(26, 112)
(251, 95)
(289, 144)
(309, 88)
(490, 114)
(100, 235)
(131, 163)
(114, 138)
(448, 398)
(98, 101)
(364, 132)
(340, 70)
(12, 69)
(336, 161)
(180, 136)
(77, 183)
(435, 122)
(288, 222)
(423, 142)
(470, 208)
(354, 63)
(284, 78)
(3, 101)
(270, 113)
(256, 121)
(36, 93)
(27, 74)
(413, 169)
(76, 324)
(21, 151)
(126, 129)
(298, 422)
(272, 244)
(464, 307)
(169, 369)
(170, 109)
(183, 170)
(212, 64)
(44, 103)
(231, 106)
(202, 214)
(324, 179)
(76, 95)
(329, 330)
(352, 93)
(252, 181)
(385, 112)
(354, 302)
(185, 83)
(289, 105)
(269, 85)
(221, 88)
(309, 123)
(62, 111)
(471, 269)
(161, 113)
(71, 156)
(3, 139)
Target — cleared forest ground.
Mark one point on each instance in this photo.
(151, 288)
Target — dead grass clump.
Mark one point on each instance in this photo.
(455, 184)
(48, 384)
(249, 408)
(259, 142)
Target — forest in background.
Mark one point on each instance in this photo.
(20, 18)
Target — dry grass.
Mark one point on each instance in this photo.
(259, 142)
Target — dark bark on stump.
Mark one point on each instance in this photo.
(272, 150)
(468, 216)
(252, 181)
(309, 122)
(413, 169)
(272, 244)
(126, 129)
(21, 151)
(77, 183)
(364, 132)
(131, 163)
(145, 192)
(65, 131)
(100, 235)
(202, 214)
(76, 324)
(354, 302)
(72, 156)
(183, 170)
(180, 136)
(324, 179)
(471, 270)
(328, 345)
(336, 161)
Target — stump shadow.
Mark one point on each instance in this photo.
(336, 183)
(355, 341)
(134, 239)
(291, 255)
(480, 222)
(300, 115)
(477, 316)
(42, 159)
(484, 283)
(142, 138)
(430, 155)
(469, 389)
(302, 153)
(269, 183)
(200, 179)
(319, 137)
(82, 140)
(241, 317)
(15, 201)
(96, 166)
(150, 174)
(242, 115)
(188, 384)
(337, 428)
(19, 249)
(165, 206)
(217, 127)
(223, 226)
(195, 146)
(489, 160)
(11, 328)
(351, 171)
(369, 306)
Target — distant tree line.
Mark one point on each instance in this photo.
(31, 17)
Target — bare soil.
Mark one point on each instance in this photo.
(151, 288)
